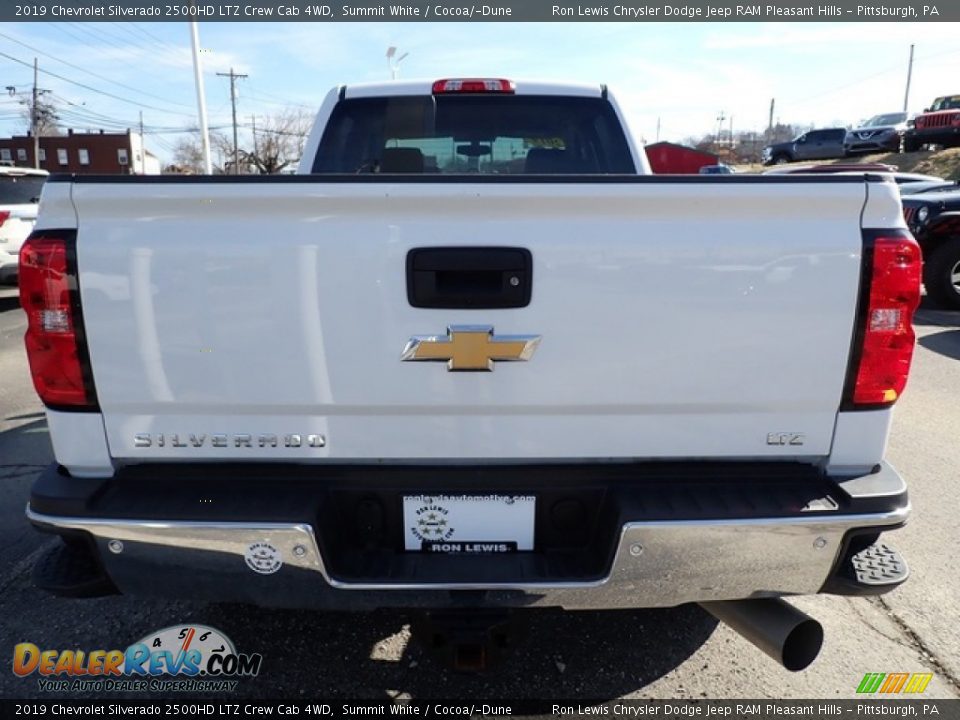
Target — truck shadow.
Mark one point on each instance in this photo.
(928, 315)
(345, 657)
(24, 450)
(569, 655)
(945, 343)
(9, 302)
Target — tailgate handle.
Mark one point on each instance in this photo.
(469, 277)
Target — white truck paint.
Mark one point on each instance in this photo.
(690, 394)
(303, 333)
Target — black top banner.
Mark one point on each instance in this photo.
(190, 706)
(627, 11)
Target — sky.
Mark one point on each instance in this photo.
(681, 76)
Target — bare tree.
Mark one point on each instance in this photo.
(47, 118)
(278, 141)
(188, 154)
(275, 144)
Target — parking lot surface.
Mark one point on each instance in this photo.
(673, 653)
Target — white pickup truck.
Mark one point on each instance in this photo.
(473, 356)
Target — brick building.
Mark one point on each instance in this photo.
(103, 153)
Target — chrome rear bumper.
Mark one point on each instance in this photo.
(656, 564)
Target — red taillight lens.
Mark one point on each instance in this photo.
(473, 85)
(4, 215)
(888, 339)
(53, 348)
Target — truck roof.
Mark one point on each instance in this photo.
(21, 171)
(425, 87)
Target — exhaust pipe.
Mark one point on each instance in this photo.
(789, 636)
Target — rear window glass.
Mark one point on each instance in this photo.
(826, 135)
(486, 134)
(947, 103)
(20, 189)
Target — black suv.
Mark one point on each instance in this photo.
(934, 220)
(822, 144)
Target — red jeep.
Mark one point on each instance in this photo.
(939, 124)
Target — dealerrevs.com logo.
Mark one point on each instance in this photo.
(180, 658)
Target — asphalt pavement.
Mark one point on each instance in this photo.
(674, 653)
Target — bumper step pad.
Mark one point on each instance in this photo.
(873, 570)
(71, 571)
(879, 565)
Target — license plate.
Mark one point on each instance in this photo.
(468, 523)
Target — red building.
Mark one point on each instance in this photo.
(103, 153)
(672, 159)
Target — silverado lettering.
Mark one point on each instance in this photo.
(703, 420)
(224, 440)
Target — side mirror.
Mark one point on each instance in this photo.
(926, 109)
(802, 139)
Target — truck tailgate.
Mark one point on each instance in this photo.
(677, 319)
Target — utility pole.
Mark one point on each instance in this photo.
(658, 129)
(393, 62)
(906, 94)
(233, 102)
(773, 102)
(201, 99)
(34, 118)
(253, 125)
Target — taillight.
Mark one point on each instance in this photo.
(885, 335)
(55, 343)
(4, 215)
(473, 85)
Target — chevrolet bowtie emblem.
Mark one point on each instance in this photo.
(470, 347)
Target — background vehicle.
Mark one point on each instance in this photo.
(831, 168)
(918, 188)
(879, 133)
(938, 124)
(720, 169)
(447, 396)
(19, 194)
(813, 145)
(934, 220)
(909, 182)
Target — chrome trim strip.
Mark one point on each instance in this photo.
(658, 563)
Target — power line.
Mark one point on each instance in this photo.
(60, 27)
(97, 90)
(148, 34)
(158, 41)
(90, 30)
(90, 72)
